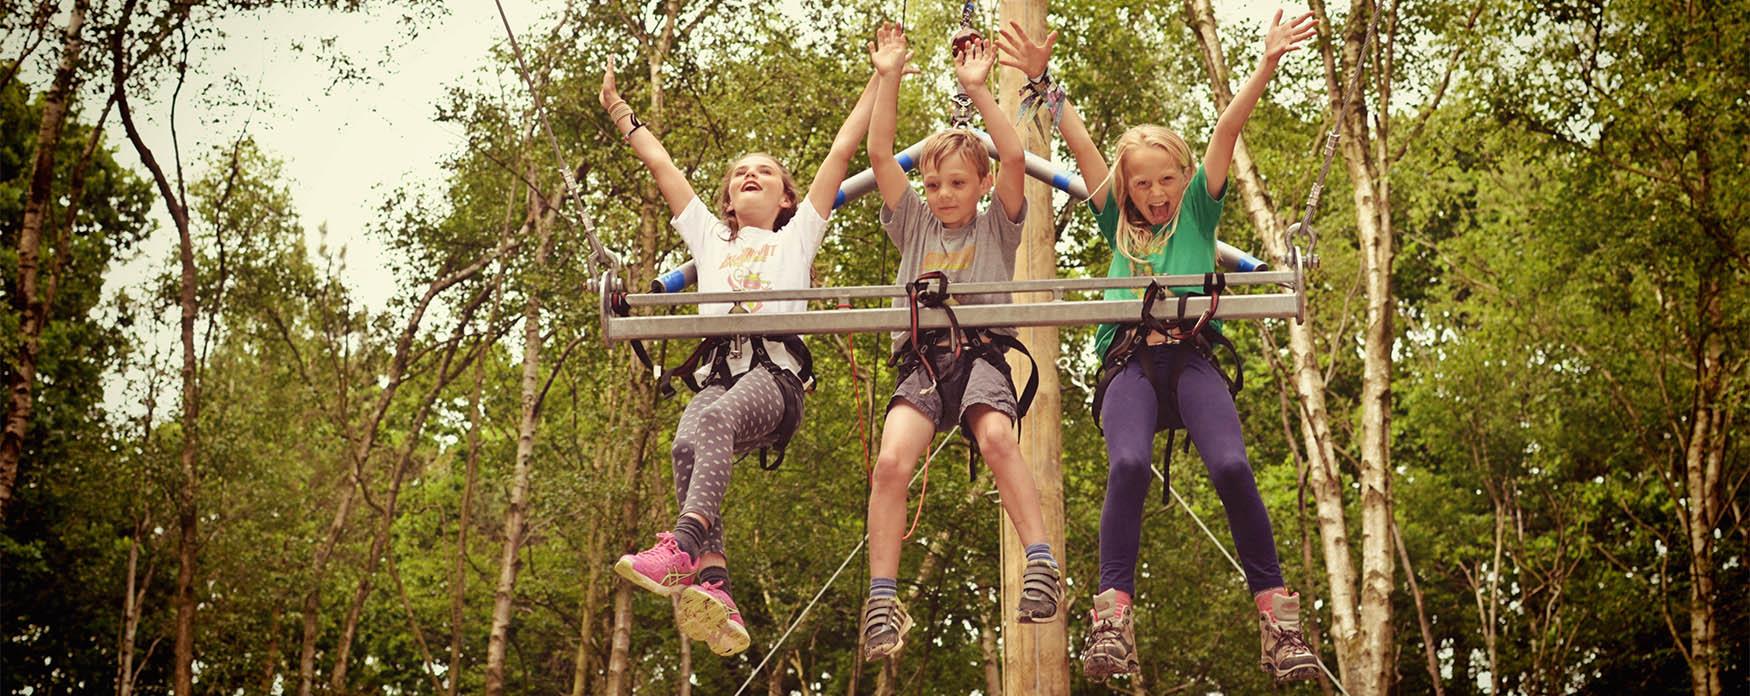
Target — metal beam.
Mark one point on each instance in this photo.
(1055, 286)
(842, 321)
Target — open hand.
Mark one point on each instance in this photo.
(1285, 37)
(1021, 53)
(972, 66)
(889, 53)
(610, 93)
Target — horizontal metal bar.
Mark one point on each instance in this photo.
(1283, 278)
(840, 321)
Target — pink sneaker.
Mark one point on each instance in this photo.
(663, 568)
(709, 615)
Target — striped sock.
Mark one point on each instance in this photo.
(1040, 551)
(883, 587)
(689, 534)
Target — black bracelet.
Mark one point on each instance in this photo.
(1043, 79)
(636, 124)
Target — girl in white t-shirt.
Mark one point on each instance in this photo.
(758, 234)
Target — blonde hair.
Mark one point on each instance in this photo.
(1136, 239)
(956, 141)
(727, 211)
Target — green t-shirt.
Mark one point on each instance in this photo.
(1190, 250)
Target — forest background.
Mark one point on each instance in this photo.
(1505, 453)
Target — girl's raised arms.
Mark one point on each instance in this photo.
(1281, 38)
(1030, 57)
(669, 179)
(824, 189)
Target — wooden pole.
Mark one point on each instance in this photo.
(1035, 657)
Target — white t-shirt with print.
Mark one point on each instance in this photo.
(755, 259)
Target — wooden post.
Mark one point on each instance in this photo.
(1035, 657)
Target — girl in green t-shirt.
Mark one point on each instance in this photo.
(1158, 209)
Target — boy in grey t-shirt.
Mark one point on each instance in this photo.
(944, 231)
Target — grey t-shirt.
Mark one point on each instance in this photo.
(983, 251)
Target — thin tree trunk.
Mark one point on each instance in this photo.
(987, 645)
(644, 404)
(187, 517)
(458, 569)
(32, 311)
(1421, 613)
(618, 663)
(516, 512)
(684, 675)
(360, 456)
(386, 512)
(131, 610)
(1703, 465)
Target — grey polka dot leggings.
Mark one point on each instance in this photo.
(716, 425)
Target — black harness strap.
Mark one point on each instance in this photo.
(1180, 332)
(791, 385)
(930, 290)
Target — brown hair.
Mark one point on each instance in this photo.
(726, 211)
(957, 141)
(1135, 237)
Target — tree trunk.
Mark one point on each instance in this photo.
(1421, 614)
(386, 512)
(651, 215)
(33, 312)
(987, 645)
(360, 456)
(131, 610)
(458, 570)
(1035, 656)
(1324, 476)
(684, 673)
(516, 512)
(1703, 465)
(618, 655)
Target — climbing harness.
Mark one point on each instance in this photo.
(717, 351)
(1181, 333)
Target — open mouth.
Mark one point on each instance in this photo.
(1159, 211)
(751, 186)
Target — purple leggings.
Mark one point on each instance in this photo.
(1130, 417)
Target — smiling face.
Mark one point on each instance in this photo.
(953, 189)
(757, 192)
(1154, 183)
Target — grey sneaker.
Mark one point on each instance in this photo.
(1285, 653)
(885, 624)
(1111, 646)
(1041, 589)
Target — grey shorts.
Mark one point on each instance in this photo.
(947, 403)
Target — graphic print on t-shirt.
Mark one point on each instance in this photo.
(743, 269)
(950, 261)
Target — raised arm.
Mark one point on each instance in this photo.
(825, 187)
(890, 56)
(669, 179)
(972, 66)
(1281, 39)
(1031, 59)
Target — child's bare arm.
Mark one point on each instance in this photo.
(1031, 59)
(1281, 39)
(669, 179)
(825, 187)
(972, 66)
(890, 56)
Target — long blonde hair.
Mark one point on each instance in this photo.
(1136, 239)
(727, 211)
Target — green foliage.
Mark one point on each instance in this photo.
(1547, 291)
